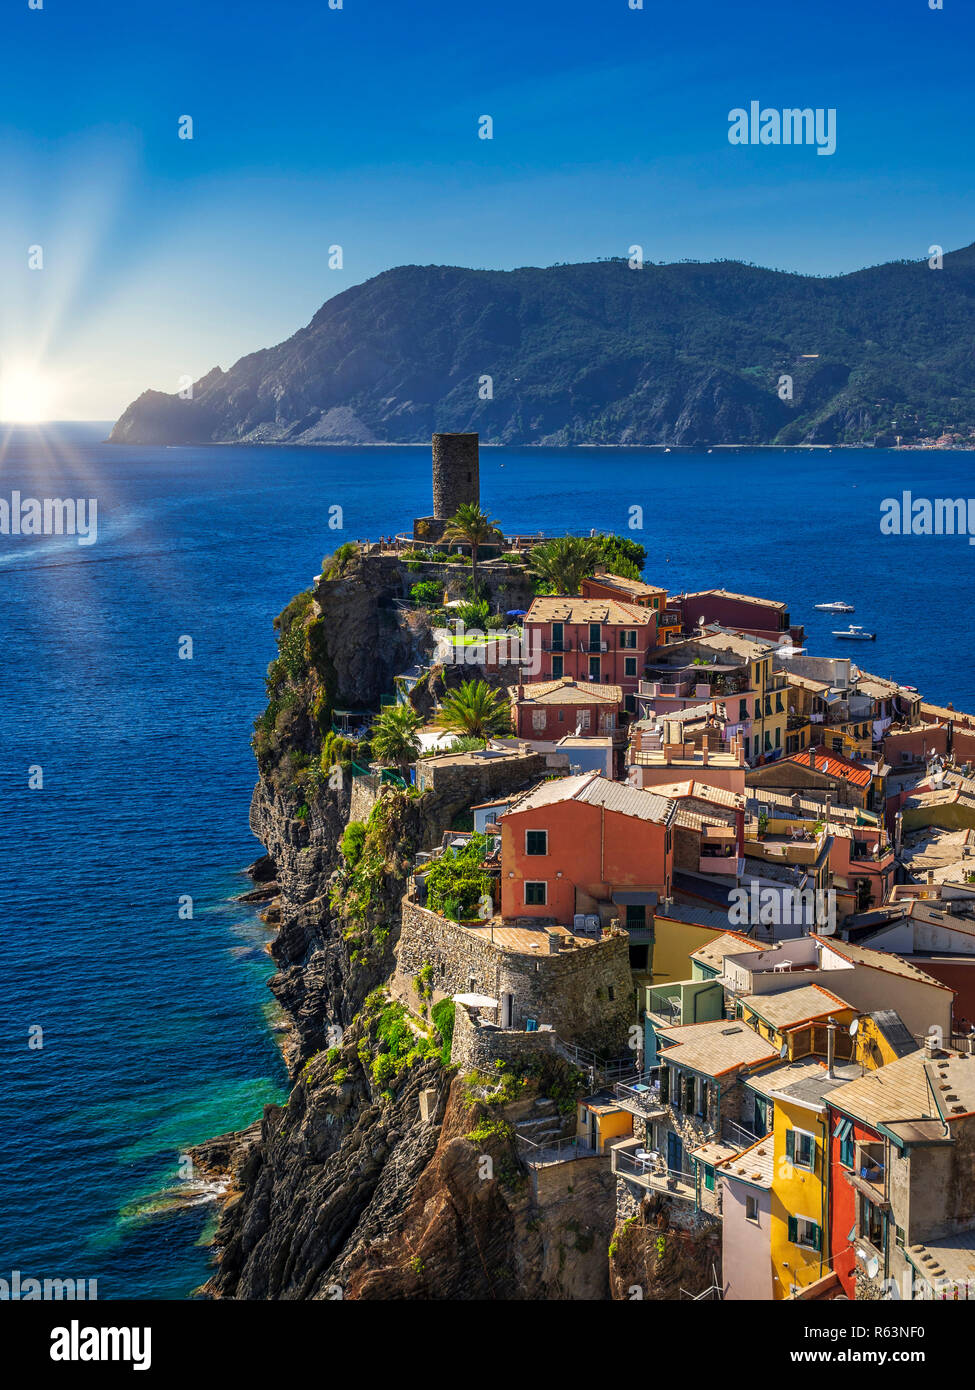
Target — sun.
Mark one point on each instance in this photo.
(26, 395)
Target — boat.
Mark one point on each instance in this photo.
(834, 607)
(856, 634)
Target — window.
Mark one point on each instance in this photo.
(629, 666)
(844, 1133)
(628, 639)
(804, 1232)
(536, 842)
(558, 667)
(536, 894)
(594, 668)
(742, 711)
(656, 603)
(778, 738)
(751, 1208)
(539, 719)
(800, 1149)
(557, 636)
(708, 1177)
(595, 637)
(585, 719)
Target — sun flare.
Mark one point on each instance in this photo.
(26, 395)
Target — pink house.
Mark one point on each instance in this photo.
(598, 641)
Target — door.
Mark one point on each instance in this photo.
(675, 1152)
(507, 1002)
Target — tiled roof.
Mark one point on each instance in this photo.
(731, 642)
(755, 1165)
(732, 943)
(949, 1259)
(556, 609)
(897, 1091)
(780, 1078)
(570, 692)
(714, 1048)
(692, 916)
(878, 960)
(787, 1007)
(596, 790)
(689, 789)
(742, 598)
(631, 586)
(859, 774)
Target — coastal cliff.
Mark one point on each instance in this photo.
(388, 1173)
(601, 353)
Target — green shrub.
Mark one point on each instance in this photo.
(428, 592)
(353, 841)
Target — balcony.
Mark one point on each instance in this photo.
(869, 1174)
(631, 1160)
(642, 1096)
(594, 646)
(562, 646)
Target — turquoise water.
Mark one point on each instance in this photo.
(155, 1029)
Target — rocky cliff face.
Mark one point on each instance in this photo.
(602, 353)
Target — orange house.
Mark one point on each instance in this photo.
(587, 845)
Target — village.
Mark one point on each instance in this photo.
(730, 880)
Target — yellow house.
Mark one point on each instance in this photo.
(797, 1018)
(793, 1096)
(600, 1122)
(679, 930)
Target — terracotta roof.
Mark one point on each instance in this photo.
(942, 712)
(732, 943)
(690, 789)
(712, 1153)
(781, 1077)
(631, 586)
(950, 1259)
(754, 1165)
(569, 692)
(742, 598)
(833, 765)
(715, 1048)
(878, 960)
(897, 1091)
(595, 790)
(556, 609)
(788, 1007)
(731, 642)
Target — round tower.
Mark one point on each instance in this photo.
(455, 473)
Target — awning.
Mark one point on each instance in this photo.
(636, 897)
(475, 1001)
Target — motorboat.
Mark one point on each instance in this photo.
(834, 607)
(856, 634)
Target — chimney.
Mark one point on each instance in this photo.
(930, 875)
(830, 1047)
(704, 756)
(931, 1045)
(521, 691)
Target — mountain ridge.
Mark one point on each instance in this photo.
(598, 353)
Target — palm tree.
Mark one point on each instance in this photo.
(475, 710)
(563, 563)
(470, 524)
(393, 737)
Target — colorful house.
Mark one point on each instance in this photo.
(746, 1225)
(551, 709)
(767, 619)
(602, 641)
(585, 846)
(602, 584)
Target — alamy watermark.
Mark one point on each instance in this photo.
(908, 515)
(25, 1288)
(766, 906)
(50, 516)
(792, 125)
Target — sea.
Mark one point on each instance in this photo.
(135, 1018)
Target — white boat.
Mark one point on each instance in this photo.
(834, 607)
(856, 634)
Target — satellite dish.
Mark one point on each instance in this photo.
(784, 1051)
(854, 1028)
(873, 1266)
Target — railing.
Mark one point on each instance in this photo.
(609, 1070)
(654, 1175)
(641, 1095)
(593, 647)
(737, 1135)
(563, 646)
(561, 1151)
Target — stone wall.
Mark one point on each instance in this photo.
(585, 993)
(480, 779)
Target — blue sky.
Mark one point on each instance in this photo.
(358, 127)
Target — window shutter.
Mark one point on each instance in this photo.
(793, 1231)
(790, 1147)
(817, 1237)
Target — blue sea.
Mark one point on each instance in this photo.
(156, 1030)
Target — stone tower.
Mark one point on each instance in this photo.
(455, 473)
